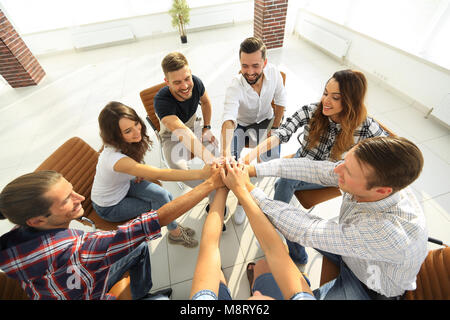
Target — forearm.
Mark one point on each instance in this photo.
(284, 270)
(207, 271)
(262, 227)
(184, 203)
(177, 175)
(263, 147)
(206, 112)
(319, 172)
(278, 116)
(194, 145)
(227, 136)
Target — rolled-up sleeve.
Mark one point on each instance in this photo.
(280, 96)
(320, 172)
(231, 104)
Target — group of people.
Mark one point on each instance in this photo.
(379, 242)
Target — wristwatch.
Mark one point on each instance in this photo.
(207, 127)
(274, 128)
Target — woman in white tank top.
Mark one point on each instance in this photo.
(122, 189)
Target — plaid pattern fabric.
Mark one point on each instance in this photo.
(71, 264)
(369, 128)
(384, 243)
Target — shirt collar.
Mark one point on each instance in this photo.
(333, 124)
(380, 205)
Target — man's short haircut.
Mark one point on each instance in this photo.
(251, 45)
(173, 61)
(395, 161)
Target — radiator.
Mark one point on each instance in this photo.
(88, 39)
(325, 39)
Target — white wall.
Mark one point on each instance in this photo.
(59, 40)
(423, 83)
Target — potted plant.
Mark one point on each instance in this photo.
(180, 17)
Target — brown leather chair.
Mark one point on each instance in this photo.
(10, 289)
(147, 97)
(77, 162)
(433, 279)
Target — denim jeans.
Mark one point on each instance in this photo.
(141, 197)
(345, 287)
(284, 190)
(254, 133)
(137, 263)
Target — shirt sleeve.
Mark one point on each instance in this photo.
(369, 129)
(299, 119)
(231, 104)
(101, 249)
(304, 169)
(198, 83)
(163, 104)
(280, 96)
(303, 296)
(205, 295)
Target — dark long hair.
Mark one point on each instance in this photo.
(110, 133)
(353, 88)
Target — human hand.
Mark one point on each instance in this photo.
(208, 136)
(235, 176)
(246, 159)
(206, 171)
(215, 179)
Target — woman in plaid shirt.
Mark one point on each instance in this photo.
(331, 128)
(53, 262)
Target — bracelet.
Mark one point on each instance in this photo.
(274, 127)
(207, 127)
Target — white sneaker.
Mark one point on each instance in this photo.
(239, 215)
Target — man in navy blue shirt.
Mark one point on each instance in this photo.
(176, 105)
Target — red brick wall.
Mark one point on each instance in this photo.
(18, 66)
(269, 21)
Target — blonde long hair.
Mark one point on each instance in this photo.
(353, 88)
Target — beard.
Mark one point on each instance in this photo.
(253, 81)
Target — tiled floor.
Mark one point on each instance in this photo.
(34, 121)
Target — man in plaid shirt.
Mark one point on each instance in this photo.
(52, 261)
(380, 240)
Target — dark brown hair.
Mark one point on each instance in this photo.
(353, 88)
(110, 133)
(396, 162)
(23, 198)
(251, 45)
(173, 61)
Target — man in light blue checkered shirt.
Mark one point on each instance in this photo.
(380, 240)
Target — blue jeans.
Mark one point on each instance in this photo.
(137, 263)
(258, 131)
(345, 287)
(141, 197)
(284, 191)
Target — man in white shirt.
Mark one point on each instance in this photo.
(380, 240)
(248, 110)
